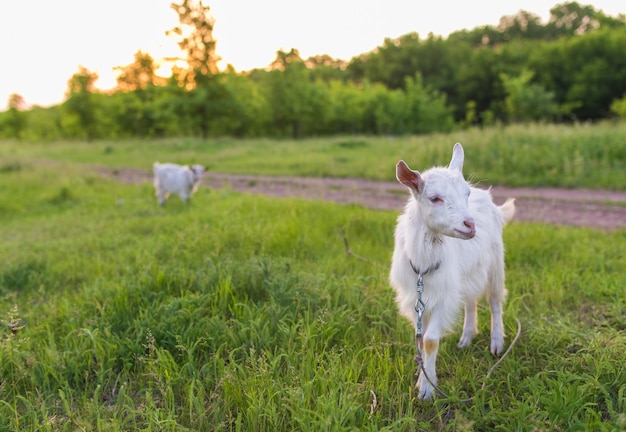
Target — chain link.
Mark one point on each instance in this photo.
(419, 306)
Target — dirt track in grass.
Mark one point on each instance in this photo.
(577, 207)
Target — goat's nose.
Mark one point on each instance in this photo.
(469, 223)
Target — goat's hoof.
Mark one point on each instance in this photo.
(464, 342)
(497, 346)
(425, 389)
(425, 393)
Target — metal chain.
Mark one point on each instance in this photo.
(419, 308)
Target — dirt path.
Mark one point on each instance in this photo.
(577, 207)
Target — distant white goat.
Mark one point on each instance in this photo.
(179, 179)
(451, 233)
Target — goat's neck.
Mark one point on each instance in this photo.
(424, 247)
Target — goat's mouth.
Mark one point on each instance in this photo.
(465, 234)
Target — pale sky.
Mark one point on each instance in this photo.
(42, 42)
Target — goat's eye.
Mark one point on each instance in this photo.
(435, 199)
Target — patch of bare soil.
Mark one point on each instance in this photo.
(578, 207)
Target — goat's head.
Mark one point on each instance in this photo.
(442, 196)
(197, 171)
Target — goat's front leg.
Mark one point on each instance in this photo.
(497, 327)
(430, 348)
(161, 197)
(184, 196)
(470, 328)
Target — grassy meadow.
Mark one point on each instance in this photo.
(524, 155)
(245, 313)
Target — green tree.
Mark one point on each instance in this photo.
(43, 124)
(168, 104)
(138, 75)
(426, 109)
(618, 106)
(386, 110)
(137, 87)
(324, 67)
(196, 41)
(208, 106)
(207, 99)
(598, 71)
(249, 113)
(132, 112)
(15, 121)
(477, 81)
(585, 72)
(525, 100)
(522, 25)
(81, 104)
(347, 107)
(296, 103)
(571, 18)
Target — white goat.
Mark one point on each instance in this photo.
(180, 179)
(451, 233)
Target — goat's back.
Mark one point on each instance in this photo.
(170, 177)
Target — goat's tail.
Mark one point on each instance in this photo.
(508, 210)
(155, 167)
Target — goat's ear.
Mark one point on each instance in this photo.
(457, 158)
(411, 179)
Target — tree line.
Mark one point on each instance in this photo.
(572, 68)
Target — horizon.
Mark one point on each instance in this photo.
(240, 30)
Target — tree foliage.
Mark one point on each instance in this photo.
(527, 101)
(571, 68)
(618, 107)
(195, 39)
(14, 122)
(80, 104)
(138, 75)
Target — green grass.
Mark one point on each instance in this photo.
(240, 312)
(590, 156)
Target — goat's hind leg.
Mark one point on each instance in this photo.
(495, 295)
(470, 328)
(497, 327)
